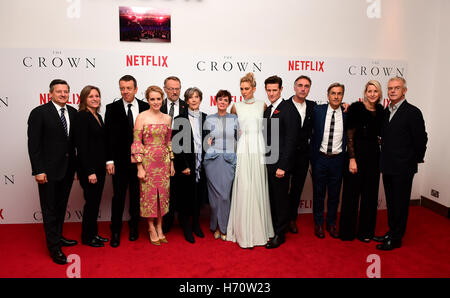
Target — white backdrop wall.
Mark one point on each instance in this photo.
(408, 31)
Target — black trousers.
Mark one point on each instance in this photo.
(298, 177)
(53, 197)
(125, 178)
(364, 184)
(398, 195)
(279, 202)
(190, 200)
(93, 196)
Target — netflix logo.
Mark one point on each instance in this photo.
(306, 204)
(213, 103)
(1, 214)
(384, 102)
(301, 65)
(45, 98)
(148, 61)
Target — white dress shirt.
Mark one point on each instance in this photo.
(301, 108)
(275, 105)
(176, 108)
(338, 131)
(66, 114)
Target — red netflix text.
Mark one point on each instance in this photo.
(142, 60)
(74, 99)
(213, 103)
(296, 65)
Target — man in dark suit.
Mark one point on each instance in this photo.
(173, 106)
(281, 139)
(305, 109)
(120, 117)
(52, 156)
(403, 146)
(328, 143)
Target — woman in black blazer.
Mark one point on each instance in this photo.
(91, 158)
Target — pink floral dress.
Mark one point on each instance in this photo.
(152, 147)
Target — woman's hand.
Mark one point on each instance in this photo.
(141, 173)
(186, 171)
(172, 169)
(353, 167)
(92, 179)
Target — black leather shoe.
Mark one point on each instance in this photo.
(58, 257)
(188, 235)
(115, 240)
(275, 242)
(293, 227)
(389, 244)
(67, 242)
(134, 234)
(381, 238)
(101, 238)
(198, 232)
(332, 230)
(318, 231)
(94, 242)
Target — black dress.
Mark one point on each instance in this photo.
(363, 132)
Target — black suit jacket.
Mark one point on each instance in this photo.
(50, 150)
(183, 108)
(304, 132)
(404, 140)
(118, 132)
(183, 132)
(288, 120)
(90, 144)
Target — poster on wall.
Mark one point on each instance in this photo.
(144, 24)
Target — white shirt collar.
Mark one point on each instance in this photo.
(276, 104)
(58, 107)
(125, 103)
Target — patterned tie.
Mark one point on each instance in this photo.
(130, 117)
(63, 120)
(330, 138)
(171, 109)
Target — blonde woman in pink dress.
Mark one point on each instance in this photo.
(152, 151)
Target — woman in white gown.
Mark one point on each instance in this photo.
(250, 222)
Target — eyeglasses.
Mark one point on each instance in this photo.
(172, 89)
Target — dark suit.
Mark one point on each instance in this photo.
(404, 141)
(119, 138)
(192, 193)
(327, 171)
(52, 152)
(91, 157)
(301, 156)
(288, 118)
(170, 216)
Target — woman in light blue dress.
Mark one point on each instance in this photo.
(220, 163)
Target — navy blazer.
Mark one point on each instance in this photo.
(51, 151)
(403, 140)
(318, 128)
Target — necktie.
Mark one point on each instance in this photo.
(269, 110)
(330, 138)
(130, 117)
(171, 109)
(63, 120)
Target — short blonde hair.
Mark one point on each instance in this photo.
(153, 89)
(250, 78)
(377, 85)
(397, 78)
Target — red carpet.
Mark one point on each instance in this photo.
(425, 253)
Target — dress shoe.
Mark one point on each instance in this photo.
(58, 257)
(362, 239)
(68, 242)
(318, 231)
(381, 238)
(223, 237)
(275, 242)
(389, 244)
(163, 240)
(188, 235)
(115, 240)
(94, 242)
(134, 234)
(333, 231)
(216, 235)
(101, 238)
(293, 227)
(198, 232)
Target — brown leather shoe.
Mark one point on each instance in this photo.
(293, 227)
(318, 231)
(333, 231)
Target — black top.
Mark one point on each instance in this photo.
(363, 131)
(90, 143)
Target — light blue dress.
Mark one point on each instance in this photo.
(220, 164)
